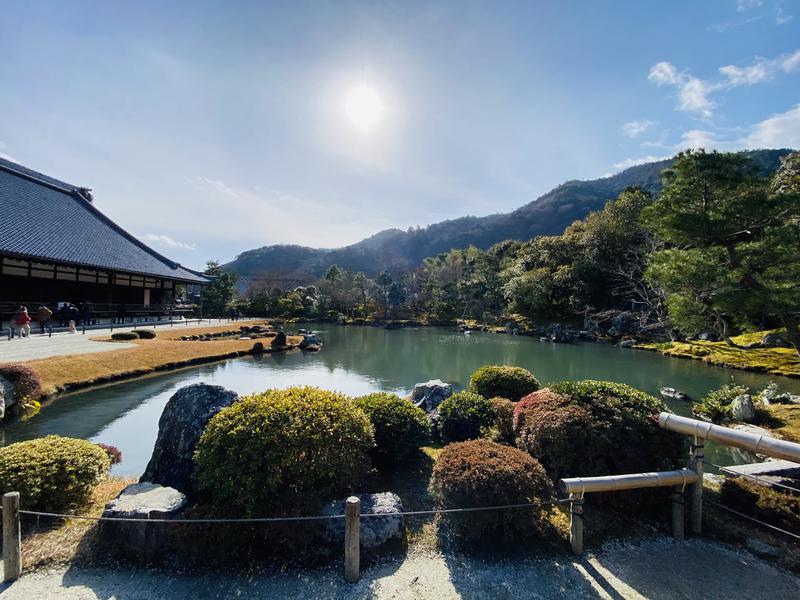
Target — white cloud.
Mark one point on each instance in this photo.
(634, 129)
(781, 18)
(632, 162)
(755, 73)
(791, 62)
(166, 241)
(692, 92)
(664, 73)
(217, 185)
(743, 5)
(778, 131)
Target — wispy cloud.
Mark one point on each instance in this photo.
(217, 185)
(632, 162)
(694, 94)
(743, 5)
(166, 241)
(633, 129)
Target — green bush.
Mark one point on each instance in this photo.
(483, 473)
(590, 428)
(282, 452)
(716, 405)
(23, 379)
(400, 427)
(544, 395)
(124, 336)
(52, 473)
(503, 420)
(464, 416)
(505, 382)
(145, 334)
(774, 506)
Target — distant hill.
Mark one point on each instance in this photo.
(395, 249)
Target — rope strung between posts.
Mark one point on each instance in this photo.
(753, 477)
(291, 519)
(749, 518)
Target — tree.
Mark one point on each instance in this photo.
(733, 255)
(384, 281)
(219, 294)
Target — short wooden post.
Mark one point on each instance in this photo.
(696, 515)
(12, 541)
(677, 513)
(576, 523)
(352, 537)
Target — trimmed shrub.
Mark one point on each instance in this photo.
(716, 405)
(114, 453)
(464, 416)
(24, 380)
(774, 506)
(590, 428)
(282, 452)
(545, 395)
(52, 473)
(400, 427)
(483, 473)
(124, 336)
(501, 381)
(503, 419)
(145, 334)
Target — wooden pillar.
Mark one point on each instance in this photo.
(576, 523)
(352, 538)
(677, 513)
(12, 541)
(696, 515)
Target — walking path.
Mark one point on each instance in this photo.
(64, 343)
(656, 569)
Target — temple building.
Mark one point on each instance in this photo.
(56, 246)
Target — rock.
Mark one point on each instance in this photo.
(762, 549)
(143, 500)
(754, 429)
(258, 348)
(629, 343)
(708, 336)
(669, 392)
(279, 341)
(179, 429)
(774, 340)
(310, 339)
(743, 409)
(429, 395)
(312, 348)
(375, 531)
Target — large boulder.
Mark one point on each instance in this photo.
(179, 429)
(141, 501)
(374, 531)
(743, 409)
(310, 339)
(430, 394)
(773, 340)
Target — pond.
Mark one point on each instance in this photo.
(358, 360)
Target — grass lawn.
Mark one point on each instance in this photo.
(162, 353)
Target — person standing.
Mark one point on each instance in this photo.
(22, 322)
(43, 315)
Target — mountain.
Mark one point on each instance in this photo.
(395, 249)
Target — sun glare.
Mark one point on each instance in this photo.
(363, 107)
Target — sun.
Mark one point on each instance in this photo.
(363, 106)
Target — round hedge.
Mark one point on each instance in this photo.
(503, 419)
(24, 381)
(502, 381)
(52, 473)
(400, 427)
(544, 395)
(282, 451)
(123, 336)
(483, 473)
(145, 334)
(464, 416)
(590, 428)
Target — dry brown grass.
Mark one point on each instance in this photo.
(786, 421)
(165, 352)
(52, 543)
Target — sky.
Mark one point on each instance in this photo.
(209, 128)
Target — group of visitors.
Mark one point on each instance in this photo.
(234, 314)
(67, 314)
(22, 320)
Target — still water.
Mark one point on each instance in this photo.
(358, 360)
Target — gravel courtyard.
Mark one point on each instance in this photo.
(660, 568)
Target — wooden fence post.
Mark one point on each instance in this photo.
(12, 542)
(696, 515)
(352, 538)
(677, 513)
(576, 523)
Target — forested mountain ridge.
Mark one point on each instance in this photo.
(398, 250)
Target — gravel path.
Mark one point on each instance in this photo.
(658, 569)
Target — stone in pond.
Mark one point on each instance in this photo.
(743, 409)
(179, 429)
(429, 395)
(374, 531)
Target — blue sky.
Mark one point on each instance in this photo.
(208, 128)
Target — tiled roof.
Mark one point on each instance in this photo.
(47, 219)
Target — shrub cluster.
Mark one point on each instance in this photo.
(503, 420)
(23, 379)
(114, 453)
(145, 334)
(590, 428)
(400, 427)
(282, 451)
(776, 507)
(483, 473)
(52, 473)
(716, 405)
(464, 416)
(124, 336)
(541, 396)
(505, 382)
